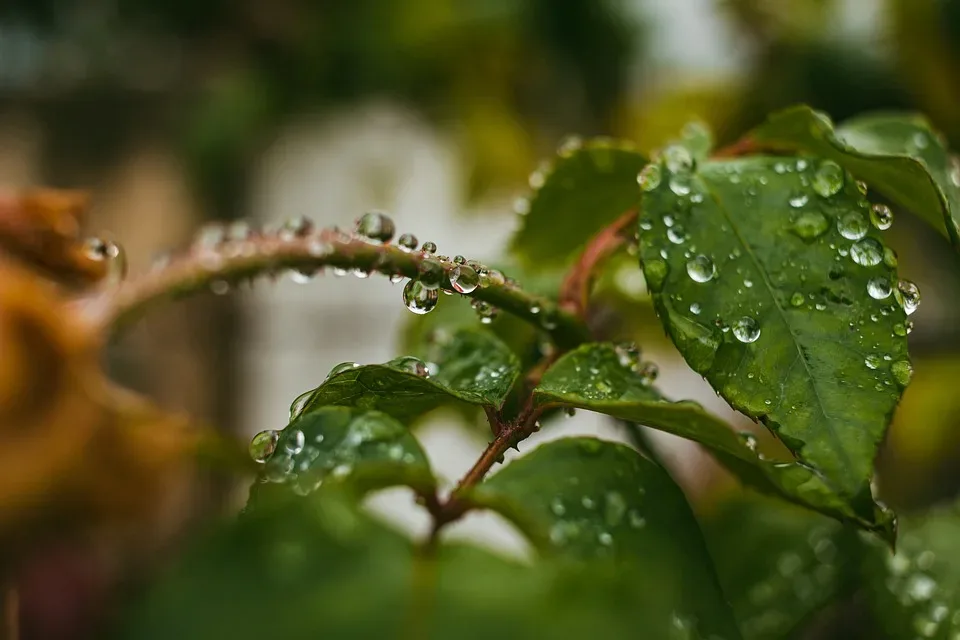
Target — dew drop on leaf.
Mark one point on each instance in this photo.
(881, 216)
(680, 184)
(484, 310)
(628, 354)
(798, 201)
(908, 296)
(677, 158)
(695, 309)
(700, 268)
(879, 288)
(810, 225)
(614, 508)
(677, 234)
(648, 373)
(418, 298)
(294, 443)
(746, 329)
(796, 300)
(408, 242)
(749, 440)
(867, 252)
(828, 180)
(464, 279)
(411, 364)
(263, 445)
(650, 176)
(872, 361)
(340, 368)
(852, 225)
(902, 371)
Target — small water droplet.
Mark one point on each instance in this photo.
(376, 226)
(677, 234)
(557, 507)
(881, 216)
(677, 158)
(650, 177)
(810, 225)
(636, 520)
(429, 247)
(919, 140)
(796, 299)
(867, 252)
(408, 242)
(491, 277)
(411, 364)
(908, 296)
(605, 538)
(464, 279)
(680, 184)
(695, 309)
(953, 171)
(879, 288)
(746, 329)
(902, 372)
(852, 225)
(872, 361)
(828, 180)
(418, 298)
(294, 443)
(588, 502)
(648, 373)
(484, 310)
(340, 368)
(701, 268)
(263, 445)
(799, 200)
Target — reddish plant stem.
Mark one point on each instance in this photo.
(575, 290)
(742, 147)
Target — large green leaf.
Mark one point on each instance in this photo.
(471, 366)
(782, 298)
(320, 568)
(608, 379)
(780, 566)
(915, 592)
(337, 443)
(583, 190)
(586, 498)
(899, 155)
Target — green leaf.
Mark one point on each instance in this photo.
(915, 592)
(765, 297)
(472, 366)
(780, 566)
(336, 443)
(583, 190)
(586, 498)
(320, 568)
(608, 379)
(899, 155)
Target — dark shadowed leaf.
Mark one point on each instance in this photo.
(779, 291)
(609, 379)
(583, 190)
(586, 498)
(780, 566)
(472, 366)
(899, 155)
(369, 448)
(320, 568)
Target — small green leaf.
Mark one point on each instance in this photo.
(781, 296)
(608, 379)
(472, 366)
(578, 194)
(780, 566)
(899, 155)
(915, 592)
(586, 498)
(368, 447)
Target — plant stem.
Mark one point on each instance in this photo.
(233, 261)
(742, 147)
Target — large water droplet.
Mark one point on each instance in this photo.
(376, 226)
(828, 179)
(628, 354)
(411, 364)
(867, 252)
(650, 177)
(701, 268)
(746, 329)
(340, 368)
(879, 288)
(418, 298)
(852, 225)
(491, 277)
(810, 225)
(432, 274)
(902, 371)
(677, 158)
(429, 247)
(908, 296)
(677, 234)
(464, 279)
(796, 300)
(408, 242)
(881, 216)
(680, 184)
(263, 445)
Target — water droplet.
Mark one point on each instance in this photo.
(881, 216)
(872, 361)
(828, 179)
(919, 140)
(464, 279)
(655, 271)
(484, 310)
(796, 299)
(628, 354)
(408, 242)
(677, 158)
(263, 445)
(376, 226)
(557, 507)
(701, 269)
(636, 520)
(746, 329)
(432, 274)
(799, 200)
(294, 443)
(879, 288)
(677, 234)
(429, 247)
(852, 225)
(298, 227)
(418, 298)
(908, 296)
(810, 225)
(605, 538)
(490, 277)
(410, 364)
(587, 502)
(867, 252)
(680, 184)
(650, 176)
(902, 371)
(695, 309)
(648, 373)
(100, 250)
(749, 440)
(340, 368)
(614, 507)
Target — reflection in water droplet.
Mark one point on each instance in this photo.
(411, 364)
(828, 179)
(680, 184)
(431, 274)
(902, 371)
(429, 247)
(746, 329)
(796, 299)
(464, 279)
(263, 445)
(650, 177)
(677, 234)
(491, 277)
(695, 309)
(879, 288)
(294, 442)
(677, 158)
(881, 216)
(418, 298)
(852, 225)
(867, 252)
(376, 226)
(908, 296)
(701, 269)
(408, 242)
(810, 225)
(799, 200)
(872, 361)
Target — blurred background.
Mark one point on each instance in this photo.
(174, 113)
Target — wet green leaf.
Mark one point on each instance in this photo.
(915, 592)
(586, 498)
(899, 155)
(609, 379)
(472, 366)
(369, 448)
(763, 281)
(780, 566)
(583, 190)
(321, 568)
